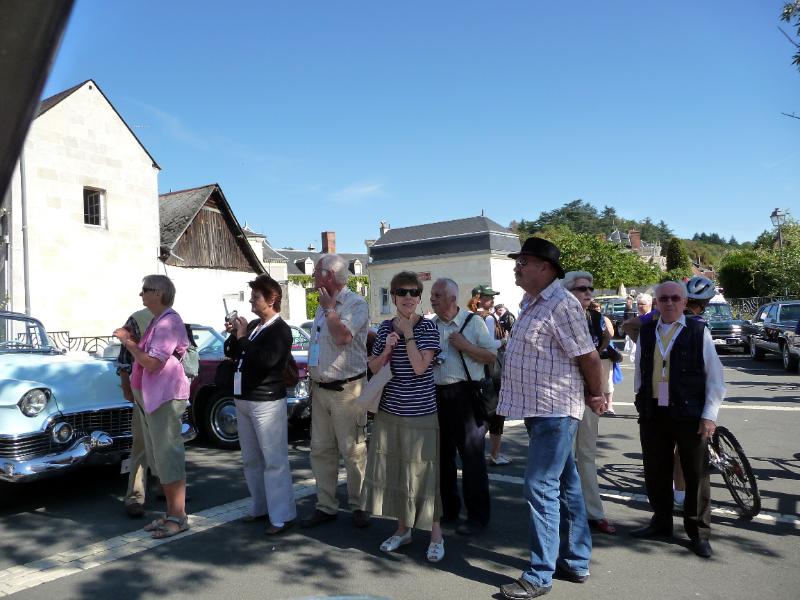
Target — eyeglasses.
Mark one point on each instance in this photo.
(521, 261)
(583, 288)
(415, 293)
(145, 290)
(674, 299)
(320, 272)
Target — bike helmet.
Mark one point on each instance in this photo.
(700, 288)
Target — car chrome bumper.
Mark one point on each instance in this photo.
(298, 409)
(90, 449)
(729, 340)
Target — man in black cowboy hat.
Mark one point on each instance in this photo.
(551, 371)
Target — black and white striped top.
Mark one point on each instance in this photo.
(408, 394)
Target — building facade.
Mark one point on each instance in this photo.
(79, 221)
(471, 251)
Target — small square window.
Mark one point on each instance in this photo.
(93, 209)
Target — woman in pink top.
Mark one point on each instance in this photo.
(161, 391)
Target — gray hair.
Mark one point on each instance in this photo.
(683, 292)
(164, 285)
(571, 277)
(336, 265)
(647, 298)
(449, 285)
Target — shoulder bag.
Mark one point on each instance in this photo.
(484, 396)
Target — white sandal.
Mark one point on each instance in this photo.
(394, 542)
(435, 551)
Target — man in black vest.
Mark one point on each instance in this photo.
(679, 387)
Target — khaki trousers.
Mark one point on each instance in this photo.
(585, 460)
(338, 428)
(137, 477)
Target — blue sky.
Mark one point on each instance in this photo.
(320, 115)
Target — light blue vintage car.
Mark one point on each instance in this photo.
(57, 410)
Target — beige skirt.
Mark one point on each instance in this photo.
(402, 476)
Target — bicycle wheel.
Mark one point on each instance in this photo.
(736, 472)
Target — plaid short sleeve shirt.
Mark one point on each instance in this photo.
(540, 373)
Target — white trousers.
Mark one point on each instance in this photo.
(585, 459)
(263, 436)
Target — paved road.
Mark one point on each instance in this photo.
(70, 536)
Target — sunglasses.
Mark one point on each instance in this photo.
(415, 293)
(674, 299)
(145, 290)
(583, 288)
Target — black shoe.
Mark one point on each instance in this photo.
(134, 510)
(254, 518)
(470, 528)
(651, 531)
(567, 575)
(360, 519)
(318, 517)
(522, 589)
(702, 548)
(275, 530)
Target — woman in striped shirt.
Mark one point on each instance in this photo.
(402, 479)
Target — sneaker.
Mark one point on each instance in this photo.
(394, 542)
(500, 461)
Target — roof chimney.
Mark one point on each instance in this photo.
(384, 227)
(311, 247)
(329, 242)
(635, 238)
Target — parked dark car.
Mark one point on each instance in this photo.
(773, 329)
(725, 330)
(614, 309)
(213, 410)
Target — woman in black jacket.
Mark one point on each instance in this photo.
(260, 350)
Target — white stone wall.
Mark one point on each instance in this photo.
(502, 269)
(297, 304)
(84, 279)
(467, 270)
(199, 294)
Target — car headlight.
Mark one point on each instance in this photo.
(301, 389)
(34, 401)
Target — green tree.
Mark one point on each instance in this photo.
(791, 14)
(736, 273)
(677, 258)
(610, 264)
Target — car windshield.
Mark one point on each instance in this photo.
(19, 334)
(717, 312)
(209, 342)
(790, 312)
(300, 339)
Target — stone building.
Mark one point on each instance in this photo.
(470, 251)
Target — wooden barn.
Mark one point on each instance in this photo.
(207, 255)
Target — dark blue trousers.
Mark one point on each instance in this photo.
(459, 432)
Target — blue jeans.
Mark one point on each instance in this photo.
(559, 531)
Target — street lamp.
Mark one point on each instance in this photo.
(778, 218)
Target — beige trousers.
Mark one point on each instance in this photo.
(585, 458)
(137, 478)
(338, 429)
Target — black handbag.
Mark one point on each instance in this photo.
(614, 355)
(484, 395)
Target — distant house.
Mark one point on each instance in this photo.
(471, 251)
(632, 240)
(79, 222)
(206, 253)
(301, 262)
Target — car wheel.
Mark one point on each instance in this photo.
(219, 422)
(756, 353)
(789, 361)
